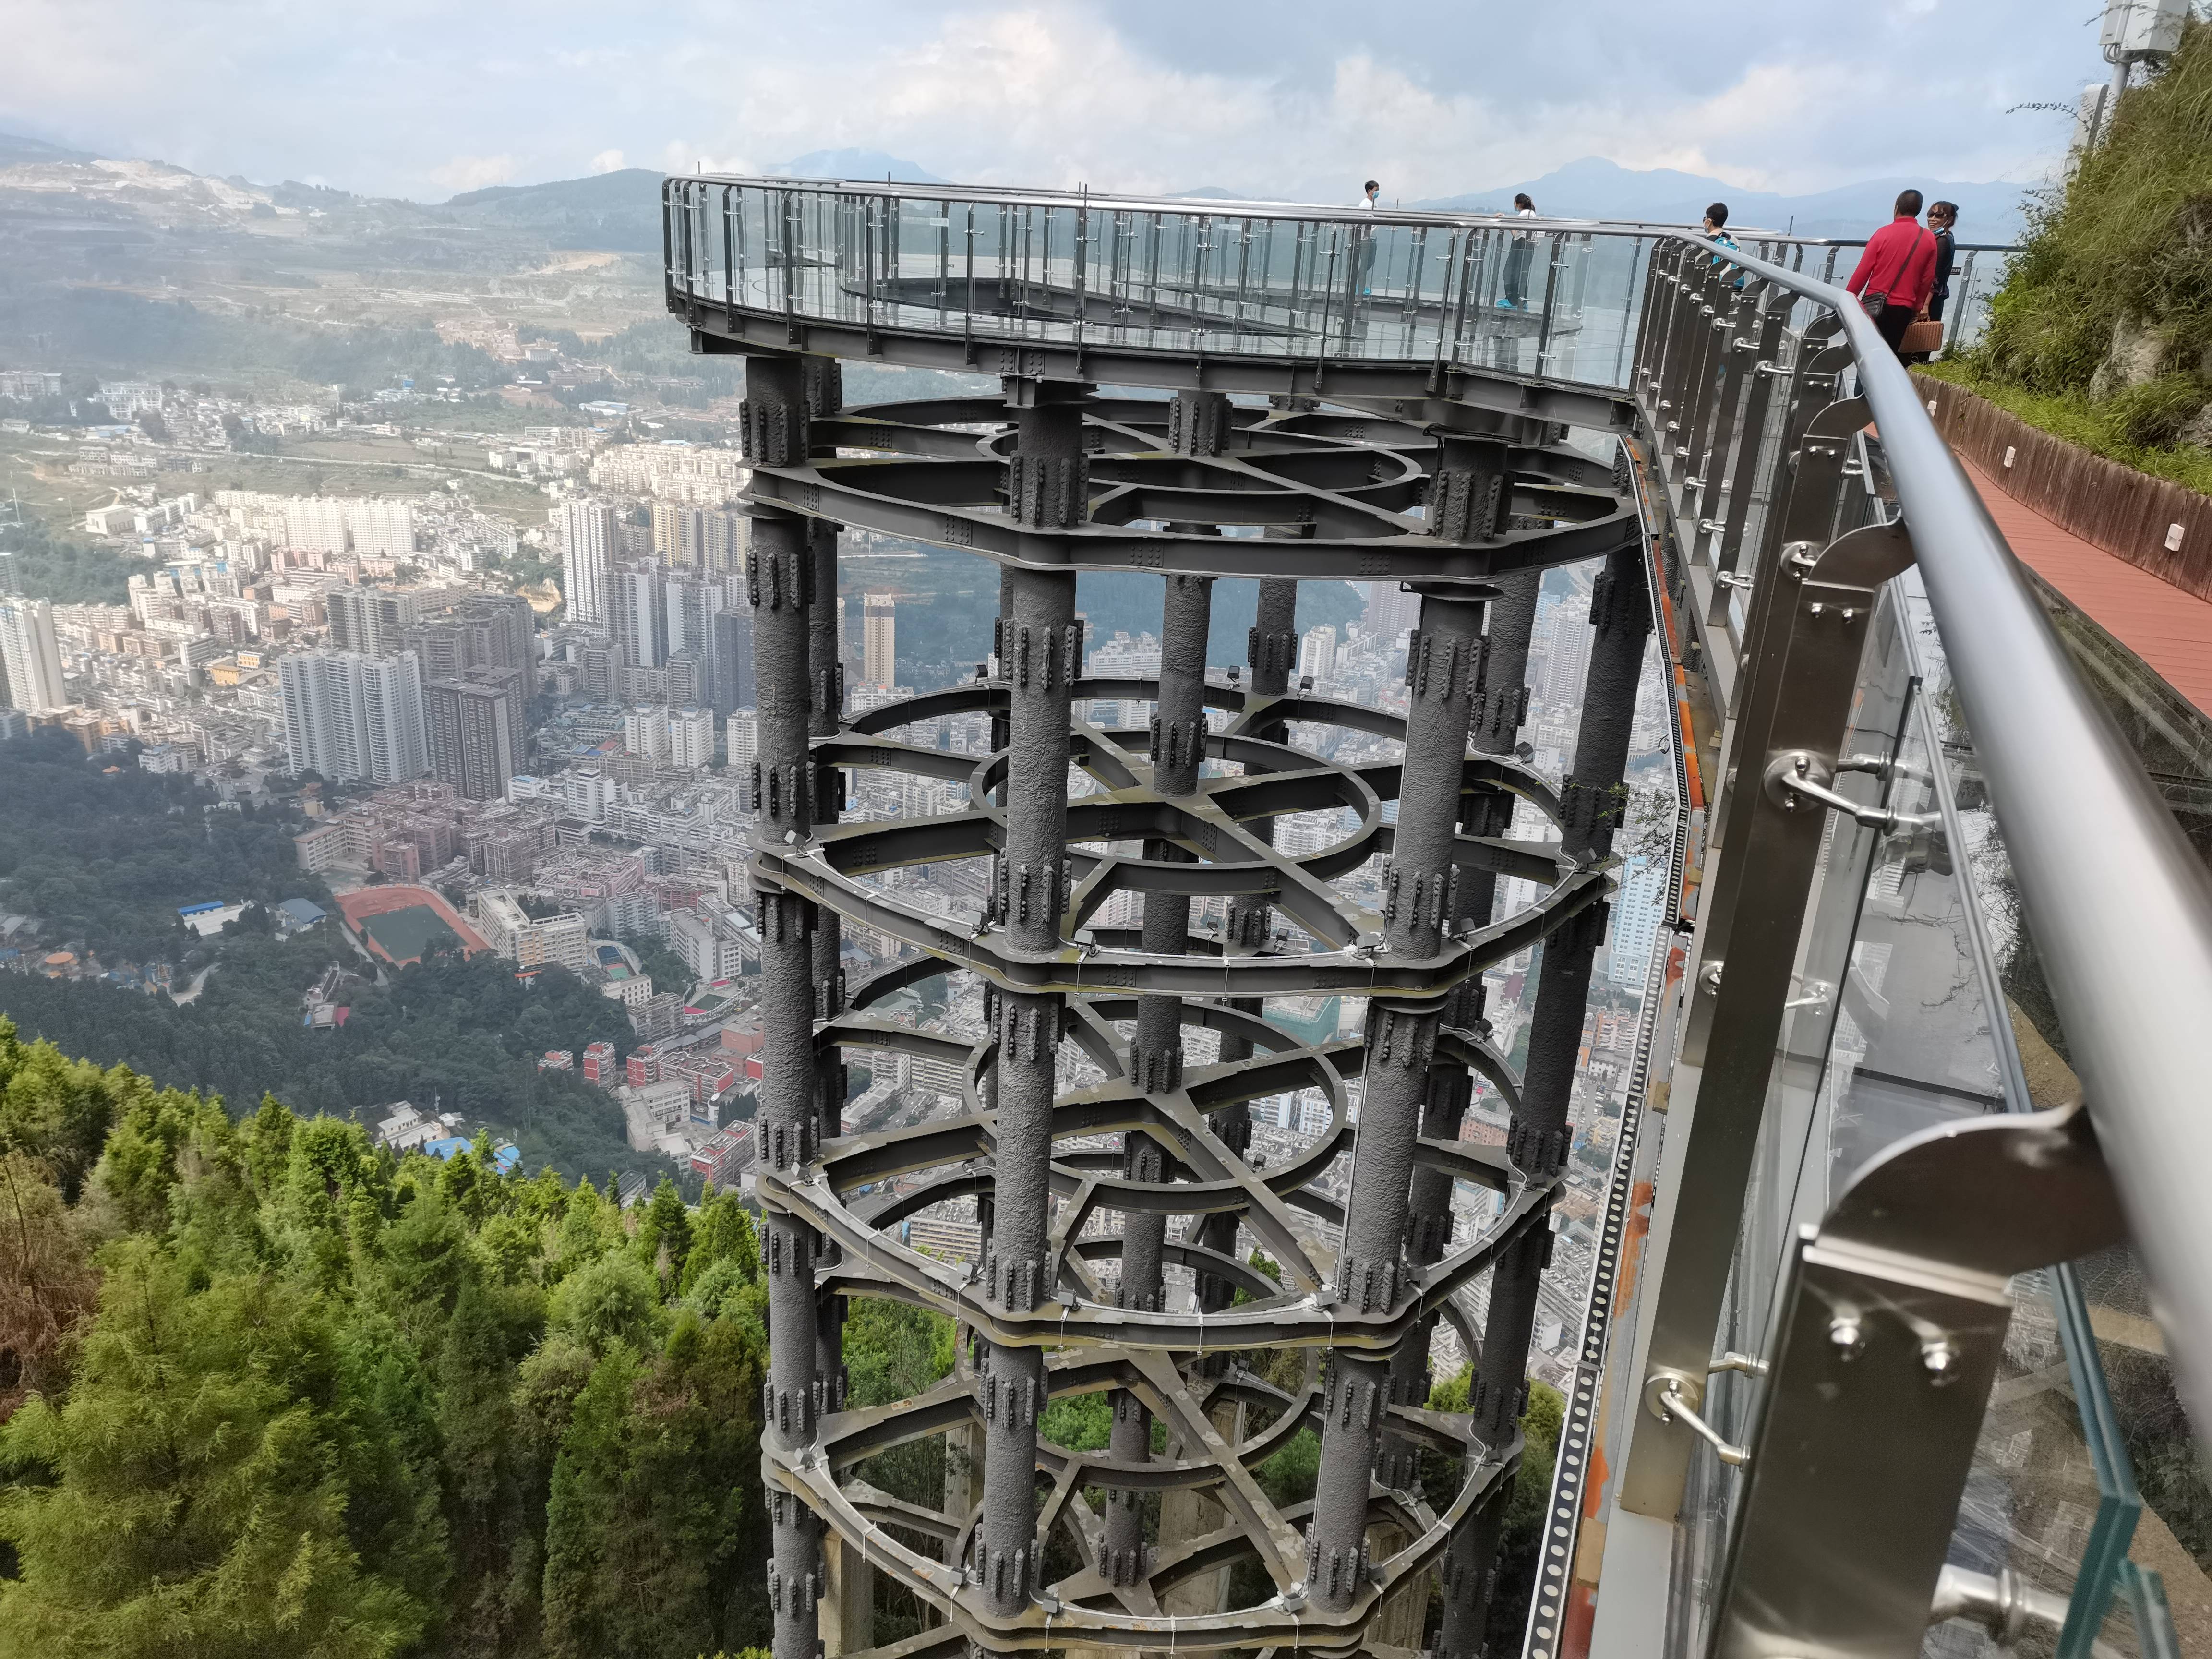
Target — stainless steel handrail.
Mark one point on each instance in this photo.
(2120, 906)
(1234, 208)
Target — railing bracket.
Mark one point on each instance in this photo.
(1663, 1394)
(1796, 776)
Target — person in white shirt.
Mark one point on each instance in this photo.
(1365, 256)
(1517, 258)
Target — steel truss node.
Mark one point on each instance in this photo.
(1463, 483)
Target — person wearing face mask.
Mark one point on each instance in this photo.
(1942, 221)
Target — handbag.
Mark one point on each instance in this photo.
(1923, 334)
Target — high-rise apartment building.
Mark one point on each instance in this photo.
(741, 733)
(1391, 610)
(688, 679)
(351, 717)
(590, 534)
(601, 672)
(34, 658)
(369, 620)
(482, 632)
(730, 670)
(708, 540)
(1318, 652)
(645, 731)
(357, 524)
(692, 607)
(690, 737)
(879, 640)
(475, 743)
(637, 614)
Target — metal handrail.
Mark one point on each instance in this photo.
(2120, 906)
(1228, 207)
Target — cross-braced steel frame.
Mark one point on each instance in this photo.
(1051, 478)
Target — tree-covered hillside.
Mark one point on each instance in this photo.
(266, 1390)
(102, 853)
(274, 1393)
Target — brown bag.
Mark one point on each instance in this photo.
(1922, 335)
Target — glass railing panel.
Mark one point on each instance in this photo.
(1811, 1134)
(1562, 303)
(2085, 1397)
(1898, 1019)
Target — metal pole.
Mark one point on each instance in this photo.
(781, 588)
(1441, 674)
(1047, 479)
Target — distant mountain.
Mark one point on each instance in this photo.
(1597, 189)
(873, 165)
(16, 150)
(619, 210)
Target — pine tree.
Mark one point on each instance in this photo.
(195, 1507)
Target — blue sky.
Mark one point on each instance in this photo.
(1288, 98)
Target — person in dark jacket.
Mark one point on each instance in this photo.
(1896, 271)
(1942, 221)
(1941, 217)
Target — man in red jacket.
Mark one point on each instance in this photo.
(1897, 271)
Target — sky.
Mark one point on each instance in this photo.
(1289, 99)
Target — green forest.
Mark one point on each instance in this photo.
(103, 858)
(265, 1390)
(48, 566)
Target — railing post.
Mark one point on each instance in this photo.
(1811, 617)
(1739, 472)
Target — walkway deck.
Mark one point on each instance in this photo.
(2169, 629)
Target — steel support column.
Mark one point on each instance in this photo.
(1045, 478)
(1441, 670)
(780, 587)
(1539, 1132)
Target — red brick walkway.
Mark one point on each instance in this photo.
(2169, 629)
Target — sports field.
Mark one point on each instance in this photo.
(398, 923)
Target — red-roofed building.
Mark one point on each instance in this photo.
(600, 1064)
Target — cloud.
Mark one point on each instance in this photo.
(1435, 96)
(467, 172)
(607, 161)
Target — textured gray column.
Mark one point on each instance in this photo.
(1539, 1134)
(1401, 1042)
(1501, 705)
(779, 587)
(1156, 1052)
(1469, 497)
(1270, 650)
(825, 679)
(1046, 483)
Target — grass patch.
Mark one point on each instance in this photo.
(2103, 426)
